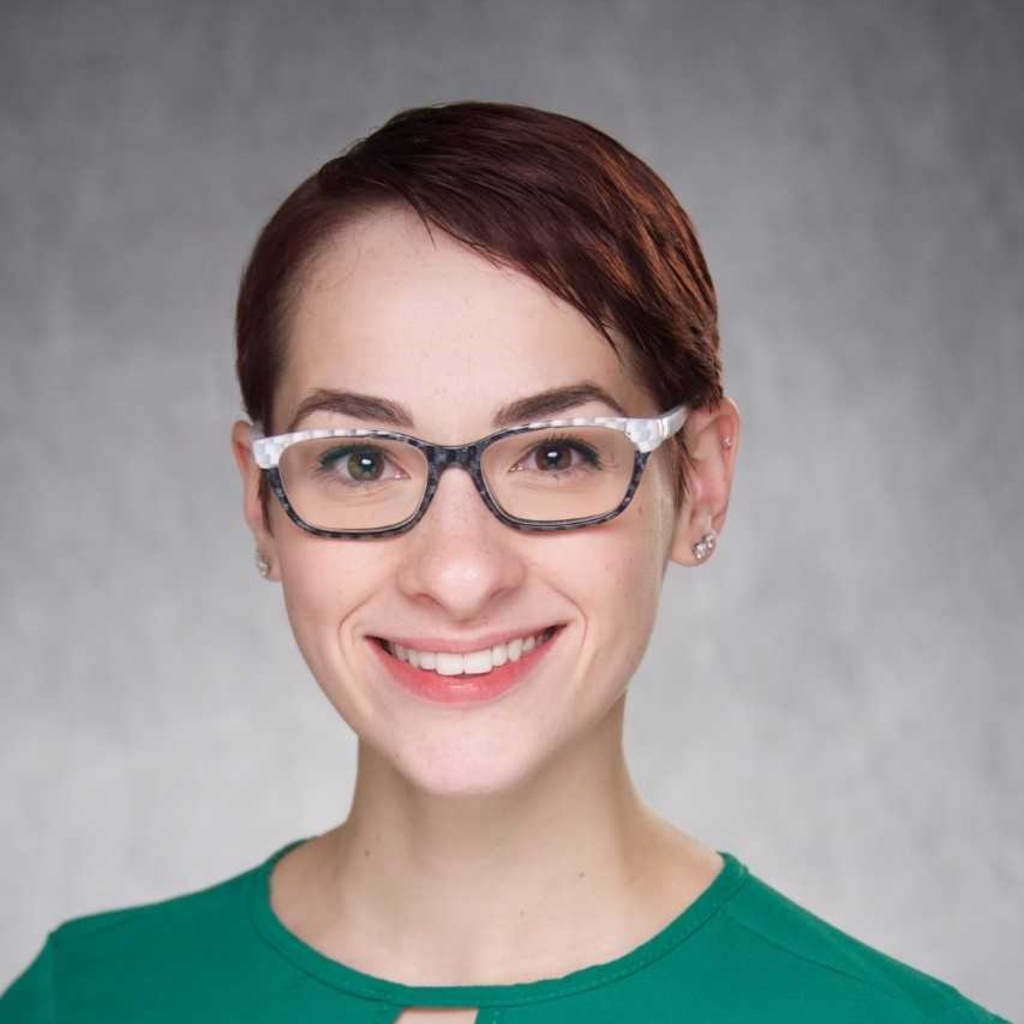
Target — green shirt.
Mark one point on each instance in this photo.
(742, 953)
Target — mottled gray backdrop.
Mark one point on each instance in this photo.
(835, 698)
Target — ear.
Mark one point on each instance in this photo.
(712, 440)
(252, 505)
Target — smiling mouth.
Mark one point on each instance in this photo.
(447, 663)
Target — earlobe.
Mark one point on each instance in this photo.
(712, 440)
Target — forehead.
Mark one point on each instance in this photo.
(392, 309)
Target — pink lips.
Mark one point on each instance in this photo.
(464, 689)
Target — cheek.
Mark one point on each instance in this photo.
(643, 555)
(324, 582)
(626, 578)
(310, 581)
(615, 573)
(639, 567)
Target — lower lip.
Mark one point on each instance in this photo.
(464, 689)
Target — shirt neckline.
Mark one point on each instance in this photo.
(731, 876)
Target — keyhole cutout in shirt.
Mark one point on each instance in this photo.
(437, 1015)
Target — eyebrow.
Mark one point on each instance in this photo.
(349, 403)
(553, 401)
(542, 405)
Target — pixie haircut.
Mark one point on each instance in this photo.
(539, 192)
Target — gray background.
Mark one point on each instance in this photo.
(835, 698)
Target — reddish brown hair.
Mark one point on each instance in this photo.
(540, 192)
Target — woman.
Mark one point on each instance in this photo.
(480, 357)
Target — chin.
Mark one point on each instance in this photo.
(469, 771)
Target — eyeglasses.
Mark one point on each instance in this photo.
(555, 475)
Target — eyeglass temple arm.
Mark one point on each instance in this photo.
(265, 455)
(648, 434)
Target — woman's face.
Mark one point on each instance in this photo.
(419, 320)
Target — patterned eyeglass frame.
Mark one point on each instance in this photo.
(645, 433)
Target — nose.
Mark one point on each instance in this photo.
(459, 556)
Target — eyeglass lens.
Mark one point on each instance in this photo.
(541, 476)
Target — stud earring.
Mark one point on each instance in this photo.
(727, 442)
(703, 548)
(262, 565)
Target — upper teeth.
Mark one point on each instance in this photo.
(472, 662)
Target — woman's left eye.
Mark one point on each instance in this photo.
(558, 456)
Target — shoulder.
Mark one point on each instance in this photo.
(126, 956)
(785, 949)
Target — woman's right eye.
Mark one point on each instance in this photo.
(355, 465)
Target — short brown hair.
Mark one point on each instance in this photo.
(540, 192)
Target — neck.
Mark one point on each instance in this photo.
(565, 870)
